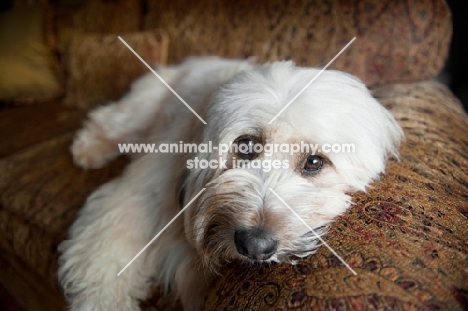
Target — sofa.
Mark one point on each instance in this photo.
(406, 237)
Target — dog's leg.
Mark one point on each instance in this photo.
(118, 221)
(124, 121)
(144, 107)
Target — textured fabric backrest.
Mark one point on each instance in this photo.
(396, 40)
(100, 68)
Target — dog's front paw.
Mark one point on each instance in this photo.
(90, 150)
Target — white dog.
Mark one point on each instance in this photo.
(237, 217)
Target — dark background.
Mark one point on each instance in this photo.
(455, 74)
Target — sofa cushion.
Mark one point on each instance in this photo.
(100, 68)
(397, 41)
(23, 127)
(28, 69)
(406, 238)
(97, 17)
(40, 192)
(104, 16)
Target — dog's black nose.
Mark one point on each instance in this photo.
(255, 243)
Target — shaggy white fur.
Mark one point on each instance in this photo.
(236, 218)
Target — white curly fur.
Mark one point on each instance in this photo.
(236, 98)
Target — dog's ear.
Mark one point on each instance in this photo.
(182, 187)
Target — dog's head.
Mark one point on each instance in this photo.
(245, 212)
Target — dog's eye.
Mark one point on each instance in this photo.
(313, 163)
(245, 148)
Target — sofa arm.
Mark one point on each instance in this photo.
(406, 238)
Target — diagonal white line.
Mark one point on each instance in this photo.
(162, 230)
(164, 82)
(318, 236)
(316, 76)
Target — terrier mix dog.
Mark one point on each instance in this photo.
(234, 216)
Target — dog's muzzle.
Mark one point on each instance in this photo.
(255, 243)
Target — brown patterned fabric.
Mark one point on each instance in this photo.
(23, 127)
(100, 68)
(397, 41)
(96, 16)
(38, 207)
(40, 192)
(407, 238)
(104, 16)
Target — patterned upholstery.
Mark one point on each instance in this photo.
(40, 192)
(396, 41)
(93, 59)
(406, 237)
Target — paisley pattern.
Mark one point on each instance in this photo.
(407, 238)
(396, 41)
